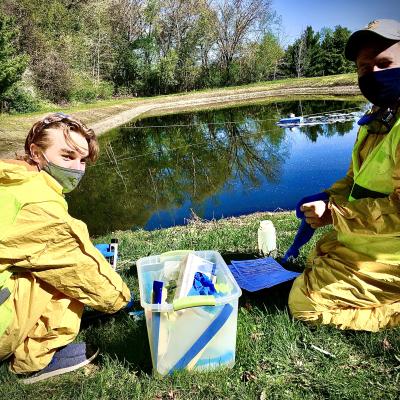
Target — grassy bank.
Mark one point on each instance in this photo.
(104, 115)
(275, 357)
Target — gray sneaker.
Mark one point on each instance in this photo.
(66, 359)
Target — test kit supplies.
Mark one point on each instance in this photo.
(187, 330)
(109, 251)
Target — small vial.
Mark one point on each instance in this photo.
(114, 248)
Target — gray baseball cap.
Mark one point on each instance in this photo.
(385, 28)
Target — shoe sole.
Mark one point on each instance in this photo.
(61, 371)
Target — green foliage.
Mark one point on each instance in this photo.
(261, 60)
(19, 99)
(153, 47)
(166, 72)
(317, 54)
(86, 89)
(12, 64)
(333, 46)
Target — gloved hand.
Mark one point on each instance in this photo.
(316, 213)
(306, 231)
(323, 196)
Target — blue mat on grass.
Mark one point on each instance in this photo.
(261, 273)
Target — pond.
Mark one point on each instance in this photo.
(159, 171)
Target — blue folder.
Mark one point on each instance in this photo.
(261, 273)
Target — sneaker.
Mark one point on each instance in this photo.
(66, 359)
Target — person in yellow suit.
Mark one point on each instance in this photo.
(49, 269)
(353, 280)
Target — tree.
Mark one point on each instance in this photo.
(149, 47)
(237, 21)
(333, 46)
(259, 60)
(178, 36)
(12, 64)
(320, 53)
(302, 56)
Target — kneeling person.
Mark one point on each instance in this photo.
(49, 268)
(353, 281)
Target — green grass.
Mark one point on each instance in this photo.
(274, 356)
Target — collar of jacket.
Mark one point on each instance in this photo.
(18, 171)
(52, 183)
(384, 120)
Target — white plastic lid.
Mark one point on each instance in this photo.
(266, 224)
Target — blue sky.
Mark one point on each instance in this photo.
(353, 14)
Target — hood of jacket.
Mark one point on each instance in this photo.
(15, 171)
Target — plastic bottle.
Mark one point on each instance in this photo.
(114, 248)
(267, 238)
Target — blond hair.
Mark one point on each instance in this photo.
(38, 134)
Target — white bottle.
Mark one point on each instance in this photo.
(267, 238)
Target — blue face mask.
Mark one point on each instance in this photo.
(68, 178)
(381, 88)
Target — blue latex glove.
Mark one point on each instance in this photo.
(131, 303)
(104, 249)
(305, 232)
(202, 285)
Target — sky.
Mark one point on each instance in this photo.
(352, 14)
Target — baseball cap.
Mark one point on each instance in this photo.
(385, 28)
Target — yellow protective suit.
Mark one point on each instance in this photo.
(55, 269)
(353, 277)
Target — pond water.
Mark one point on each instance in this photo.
(156, 172)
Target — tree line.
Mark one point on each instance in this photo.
(82, 50)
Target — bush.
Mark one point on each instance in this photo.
(53, 76)
(105, 90)
(85, 89)
(20, 99)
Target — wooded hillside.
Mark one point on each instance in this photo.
(69, 50)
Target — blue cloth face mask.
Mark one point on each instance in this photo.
(68, 178)
(381, 88)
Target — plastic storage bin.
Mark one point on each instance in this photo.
(183, 336)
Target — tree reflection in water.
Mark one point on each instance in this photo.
(188, 157)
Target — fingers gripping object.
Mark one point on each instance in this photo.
(305, 232)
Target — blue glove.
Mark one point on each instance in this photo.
(104, 249)
(131, 303)
(305, 232)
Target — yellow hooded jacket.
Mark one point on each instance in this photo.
(353, 277)
(37, 235)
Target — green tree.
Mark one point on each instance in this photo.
(300, 57)
(237, 21)
(260, 60)
(12, 64)
(333, 45)
(318, 53)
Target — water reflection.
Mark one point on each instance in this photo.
(153, 172)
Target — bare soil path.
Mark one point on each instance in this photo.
(104, 116)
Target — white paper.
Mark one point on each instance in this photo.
(188, 268)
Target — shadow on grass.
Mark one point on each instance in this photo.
(274, 299)
(119, 335)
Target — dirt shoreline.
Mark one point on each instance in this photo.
(206, 100)
(13, 130)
